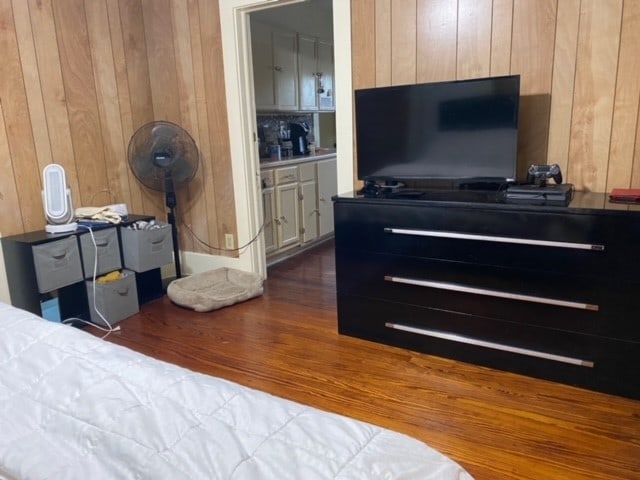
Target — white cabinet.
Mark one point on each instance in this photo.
(327, 188)
(269, 211)
(307, 72)
(269, 204)
(286, 218)
(286, 69)
(308, 202)
(275, 67)
(263, 75)
(298, 209)
(315, 74)
(324, 76)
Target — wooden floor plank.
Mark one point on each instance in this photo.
(496, 424)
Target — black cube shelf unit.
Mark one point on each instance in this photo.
(551, 292)
(67, 261)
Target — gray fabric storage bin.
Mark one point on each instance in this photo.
(108, 249)
(115, 300)
(144, 250)
(57, 264)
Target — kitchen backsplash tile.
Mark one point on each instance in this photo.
(269, 124)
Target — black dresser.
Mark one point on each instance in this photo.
(551, 292)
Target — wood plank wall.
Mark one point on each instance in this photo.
(578, 60)
(79, 77)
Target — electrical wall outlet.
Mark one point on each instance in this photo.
(229, 244)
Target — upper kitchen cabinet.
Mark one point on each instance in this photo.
(315, 74)
(275, 67)
(324, 76)
(307, 70)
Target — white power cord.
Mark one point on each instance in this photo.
(109, 328)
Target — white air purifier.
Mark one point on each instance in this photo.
(56, 197)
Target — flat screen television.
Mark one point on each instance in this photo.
(461, 131)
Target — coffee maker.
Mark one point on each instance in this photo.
(299, 140)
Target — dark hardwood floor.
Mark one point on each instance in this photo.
(497, 425)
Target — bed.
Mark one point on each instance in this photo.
(73, 406)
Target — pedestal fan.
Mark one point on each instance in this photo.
(163, 156)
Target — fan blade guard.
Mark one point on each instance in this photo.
(162, 149)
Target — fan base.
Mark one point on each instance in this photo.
(66, 228)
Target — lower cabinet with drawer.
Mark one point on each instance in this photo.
(297, 206)
(551, 292)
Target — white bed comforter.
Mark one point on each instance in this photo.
(73, 406)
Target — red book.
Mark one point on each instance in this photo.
(627, 195)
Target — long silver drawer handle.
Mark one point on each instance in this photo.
(491, 293)
(493, 345)
(492, 238)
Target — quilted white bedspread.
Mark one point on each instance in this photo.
(73, 406)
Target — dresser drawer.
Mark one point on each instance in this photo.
(531, 297)
(583, 244)
(583, 360)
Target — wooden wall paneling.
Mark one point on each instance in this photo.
(364, 56)
(363, 44)
(135, 49)
(534, 24)
(627, 96)
(139, 86)
(161, 57)
(202, 42)
(52, 90)
(532, 57)
(437, 30)
(501, 30)
(190, 200)
(134, 193)
(562, 84)
(31, 77)
(80, 92)
(17, 125)
(158, 32)
(224, 220)
(474, 38)
(597, 55)
(104, 71)
(207, 188)
(635, 170)
(382, 33)
(403, 42)
(10, 216)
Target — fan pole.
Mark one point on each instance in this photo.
(171, 202)
(171, 218)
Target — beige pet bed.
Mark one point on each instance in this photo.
(214, 289)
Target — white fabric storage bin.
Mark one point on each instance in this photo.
(144, 250)
(114, 300)
(57, 264)
(107, 248)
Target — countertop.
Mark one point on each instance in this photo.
(321, 154)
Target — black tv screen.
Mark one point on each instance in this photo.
(458, 130)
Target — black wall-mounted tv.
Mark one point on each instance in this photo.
(464, 130)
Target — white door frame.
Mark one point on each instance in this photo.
(241, 114)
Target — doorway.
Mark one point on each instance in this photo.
(292, 57)
(241, 112)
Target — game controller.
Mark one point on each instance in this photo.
(541, 173)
